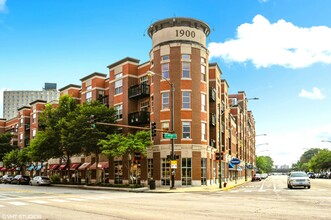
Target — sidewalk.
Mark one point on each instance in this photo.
(163, 189)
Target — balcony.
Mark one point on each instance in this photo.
(139, 118)
(213, 143)
(212, 94)
(212, 119)
(27, 126)
(139, 91)
(104, 100)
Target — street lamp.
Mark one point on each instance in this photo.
(150, 73)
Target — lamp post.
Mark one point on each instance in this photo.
(172, 115)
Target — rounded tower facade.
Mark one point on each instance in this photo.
(179, 61)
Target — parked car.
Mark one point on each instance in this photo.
(264, 176)
(40, 180)
(296, 179)
(256, 177)
(7, 178)
(311, 175)
(20, 179)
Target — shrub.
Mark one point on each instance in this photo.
(55, 179)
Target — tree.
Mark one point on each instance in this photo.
(5, 144)
(87, 136)
(116, 145)
(264, 164)
(321, 161)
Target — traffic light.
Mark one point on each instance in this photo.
(153, 129)
(92, 121)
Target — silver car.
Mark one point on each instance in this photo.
(40, 180)
(296, 179)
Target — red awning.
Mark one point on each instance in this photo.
(84, 166)
(2, 168)
(101, 165)
(53, 166)
(74, 166)
(62, 166)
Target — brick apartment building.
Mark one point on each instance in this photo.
(209, 122)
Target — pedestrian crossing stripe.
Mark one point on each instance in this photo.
(58, 200)
(39, 201)
(18, 203)
(76, 199)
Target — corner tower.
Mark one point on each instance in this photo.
(179, 56)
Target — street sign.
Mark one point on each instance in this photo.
(173, 164)
(170, 136)
(235, 161)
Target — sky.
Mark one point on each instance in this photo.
(276, 50)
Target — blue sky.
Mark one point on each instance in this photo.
(276, 50)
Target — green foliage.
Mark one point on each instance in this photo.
(264, 164)
(5, 145)
(116, 145)
(321, 161)
(55, 179)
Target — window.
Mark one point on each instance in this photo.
(203, 131)
(88, 94)
(186, 129)
(186, 56)
(144, 80)
(152, 103)
(118, 83)
(203, 171)
(203, 60)
(203, 73)
(165, 100)
(21, 138)
(165, 57)
(203, 103)
(186, 171)
(165, 70)
(165, 126)
(186, 100)
(118, 109)
(144, 106)
(185, 70)
(34, 131)
(150, 168)
(118, 172)
(165, 172)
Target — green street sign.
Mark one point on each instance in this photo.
(170, 136)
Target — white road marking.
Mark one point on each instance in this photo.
(76, 199)
(248, 191)
(1, 206)
(58, 200)
(39, 201)
(262, 190)
(18, 203)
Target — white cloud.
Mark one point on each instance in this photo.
(266, 44)
(2, 5)
(287, 147)
(314, 94)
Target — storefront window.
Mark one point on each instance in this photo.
(118, 172)
(165, 172)
(203, 171)
(186, 171)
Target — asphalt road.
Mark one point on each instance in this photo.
(268, 199)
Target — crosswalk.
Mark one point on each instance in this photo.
(257, 190)
(25, 201)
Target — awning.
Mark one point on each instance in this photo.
(2, 168)
(74, 166)
(62, 166)
(53, 166)
(38, 167)
(102, 165)
(84, 166)
(231, 165)
(30, 167)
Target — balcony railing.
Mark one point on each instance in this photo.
(139, 118)
(104, 100)
(27, 126)
(212, 119)
(139, 91)
(212, 94)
